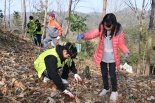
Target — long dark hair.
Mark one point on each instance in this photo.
(110, 19)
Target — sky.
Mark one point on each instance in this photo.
(85, 6)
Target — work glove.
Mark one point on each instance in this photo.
(77, 78)
(58, 37)
(80, 36)
(126, 55)
(69, 94)
(58, 40)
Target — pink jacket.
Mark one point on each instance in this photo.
(117, 42)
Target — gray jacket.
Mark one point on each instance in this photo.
(52, 32)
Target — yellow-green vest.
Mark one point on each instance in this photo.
(39, 63)
(32, 26)
(39, 32)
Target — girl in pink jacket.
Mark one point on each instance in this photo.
(107, 55)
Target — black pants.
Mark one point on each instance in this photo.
(111, 72)
(37, 39)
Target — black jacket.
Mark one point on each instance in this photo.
(52, 70)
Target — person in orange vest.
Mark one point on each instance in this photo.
(54, 32)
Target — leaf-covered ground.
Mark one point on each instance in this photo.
(19, 82)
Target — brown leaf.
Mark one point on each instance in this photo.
(16, 83)
(153, 83)
(4, 90)
(77, 100)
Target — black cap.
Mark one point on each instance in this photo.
(71, 49)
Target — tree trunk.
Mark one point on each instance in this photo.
(141, 24)
(69, 14)
(151, 23)
(5, 15)
(149, 39)
(148, 54)
(104, 8)
(45, 18)
(9, 16)
(24, 16)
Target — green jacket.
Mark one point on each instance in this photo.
(31, 27)
(39, 63)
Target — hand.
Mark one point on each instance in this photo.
(77, 78)
(57, 41)
(69, 94)
(58, 38)
(126, 55)
(80, 36)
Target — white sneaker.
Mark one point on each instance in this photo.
(64, 81)
(103, 92)
(114, 96)
(45, 80)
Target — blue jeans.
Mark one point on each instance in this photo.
(111, 72)
(51, 40)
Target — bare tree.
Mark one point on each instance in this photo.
(140, 15)
(30, 6)
(60, 10)
(149, 39)
(69, 14)
(151, 23)
(9, 20)
(45, 18)
(116, 5)
(38, 6)
(104, 7)
(74, 4)
(24, 16)
(5, 15)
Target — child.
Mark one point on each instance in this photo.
(38, 33)
(106, 55)
(54, 32)
(51, 60)
(31, 28)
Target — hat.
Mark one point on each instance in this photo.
(51, 14)
(71, 49)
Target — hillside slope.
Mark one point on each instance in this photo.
(19, 82)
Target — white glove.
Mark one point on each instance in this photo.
(58, 37)
(77, 77)
(68, 93)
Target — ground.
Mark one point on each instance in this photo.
(19, 82)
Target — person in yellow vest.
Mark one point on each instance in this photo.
(38, 33)
(51, 60)
(31, 27)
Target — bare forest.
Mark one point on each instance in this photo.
(25, 38)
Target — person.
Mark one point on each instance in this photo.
(51, 60)
(38, 33)
(107, 55)
(31, 27)
(54, 32)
